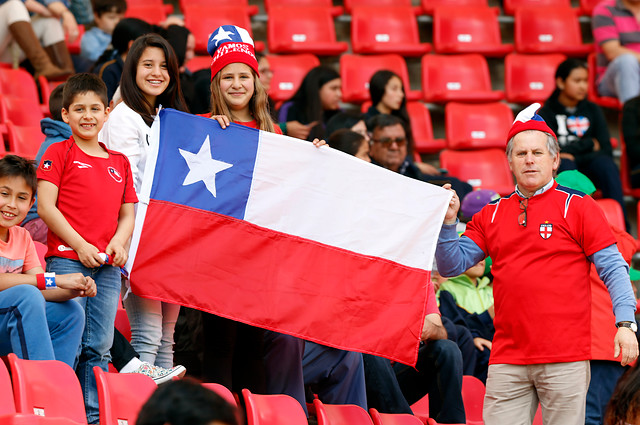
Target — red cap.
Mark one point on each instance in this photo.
(528, 119)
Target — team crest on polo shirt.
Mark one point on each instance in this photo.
(46, 164)
(546, 229)
(115, 174)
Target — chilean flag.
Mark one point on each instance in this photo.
(271, 231)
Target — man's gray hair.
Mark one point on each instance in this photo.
(552, 143)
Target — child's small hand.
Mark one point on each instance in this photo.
(88, 256)
(90, 289)
(117, 251)
(318, 143)
(223, 120)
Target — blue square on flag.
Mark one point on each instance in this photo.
(203, 170)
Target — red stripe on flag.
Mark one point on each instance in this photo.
(280, 282)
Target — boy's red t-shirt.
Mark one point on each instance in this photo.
(91, 191)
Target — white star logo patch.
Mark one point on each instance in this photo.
(222, 35)
(202, 167)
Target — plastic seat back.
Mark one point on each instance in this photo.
(612, 211)
(24, 112)
(473, 397)
(463, 78)
(341, 414)
(422, 129)
(357, 70)
(528, 84)
(47, 388)
(468, 30)
(222, 391)
(303, 30)
(18, 83)
(393, 419)
(510, 6)
(481, 168)
(592, 93)
(121, 396)
(386, 29)
(549, 30)
(477, 126)
(288, 73)
(625, 177)
(202, 22)
(7, 403)
(327, 4)
(149, 13)
(349, 5)
(273, 409)
(24, 140)
(428, 6)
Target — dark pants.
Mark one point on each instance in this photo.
(121, 350)
(604, 174)
(438, 373)
(233, 354)
(604, 376)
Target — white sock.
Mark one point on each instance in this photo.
(132, 366)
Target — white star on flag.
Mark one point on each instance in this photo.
(222, 35)
(202, 167)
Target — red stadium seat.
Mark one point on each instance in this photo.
(251, 9)
(468, 30)
(592, 94)
(121, 395)
(422, 129)
(349, 5)
(473, 398)
(41, 249)
(149, 13)
(19, 83)
(460, 78)
(24, 141)
(356, 71)
(625, 177)
(47, 388)
(341, 414)
(335, 10)
(273, 409)
(74, 48)
(549, 30)
(168, 9)
(122, 323)
(222, 391)
(481, 168)
(303, 30)
(510, 6)
(393, 419)
(386, 29)
(20, 111)
(586, 6)
(527, 84)
(288, 73)
(477, 126)
(199, 62)
(428, 6)
(612, 211)
(201, 22)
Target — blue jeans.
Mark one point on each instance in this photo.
(152, 325)
(604, 377)
(35, 329)
(622, 78)
(100, 314)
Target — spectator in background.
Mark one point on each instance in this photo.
(616, 35)
(106, 15)
(624, 407)
(631, 137)
(316, 101)
(82, 11)
(350, 142)
(186, 403)
(16, 26)
(348, 120)
(389, 150)
(110, 65)
(582, 130)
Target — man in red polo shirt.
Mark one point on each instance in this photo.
(542, 239)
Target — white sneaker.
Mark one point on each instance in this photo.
(160, 374)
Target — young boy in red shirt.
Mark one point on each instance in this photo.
(86, 197)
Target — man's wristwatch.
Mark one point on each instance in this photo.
(629, 325)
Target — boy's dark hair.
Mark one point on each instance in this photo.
(185, 402)
(346, 141)
(55, 103)
(17, 166)
(101, 7)
(83, 83)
